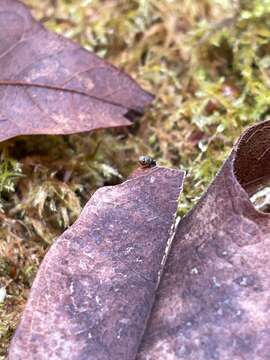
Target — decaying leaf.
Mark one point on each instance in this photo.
(213, 301)
(95, 288)
(50, 85)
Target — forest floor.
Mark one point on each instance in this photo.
(206, 61)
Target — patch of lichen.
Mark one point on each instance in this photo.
(207, 63)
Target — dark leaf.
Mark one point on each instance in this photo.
(213, 301)
(95, 288)
(50, 85)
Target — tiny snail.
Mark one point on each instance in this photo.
(147, 161)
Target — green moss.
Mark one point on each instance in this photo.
(10, 172)
(207, 62)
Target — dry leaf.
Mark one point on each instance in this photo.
(213, 298)
(95, 288)
(51, 85)
(213, 302)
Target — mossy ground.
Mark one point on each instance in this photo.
(207, 62)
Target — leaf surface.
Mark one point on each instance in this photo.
(213, 301)
(51, 85)
(95, 288)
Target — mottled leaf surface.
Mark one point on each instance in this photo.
(95, 288)
(213, 301)
(51, 85)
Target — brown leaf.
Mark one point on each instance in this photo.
(213, 301)
(95, 288)
(50, 85)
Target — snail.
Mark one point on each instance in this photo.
(147, 161)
